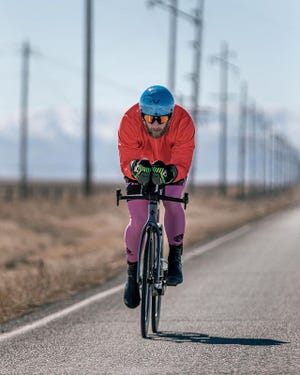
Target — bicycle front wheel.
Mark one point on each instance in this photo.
(156, 305)
(147, 281)
(156, 295)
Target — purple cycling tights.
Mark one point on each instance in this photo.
(174, 221)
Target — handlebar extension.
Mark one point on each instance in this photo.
(154, 197)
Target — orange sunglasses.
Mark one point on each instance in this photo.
(160, 119)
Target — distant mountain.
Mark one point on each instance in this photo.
(56, 145)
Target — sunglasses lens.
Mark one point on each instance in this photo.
(163, 119)
(148, 118)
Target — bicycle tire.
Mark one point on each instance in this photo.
(156, 298)
(146, 285)
(156, 307)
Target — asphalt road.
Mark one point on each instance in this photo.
(237, 312)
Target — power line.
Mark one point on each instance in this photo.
(98, 79)
(279, 25)
(79, 71)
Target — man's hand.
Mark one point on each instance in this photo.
(141, 170)
(163, 174)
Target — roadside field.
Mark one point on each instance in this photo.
(52, 249)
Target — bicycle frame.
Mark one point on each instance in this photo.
(151, 235)
(152, 224)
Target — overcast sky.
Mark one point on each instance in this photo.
(131, 52)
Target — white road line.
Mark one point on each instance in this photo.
(97, 297)
(214, 243)
(60, 314)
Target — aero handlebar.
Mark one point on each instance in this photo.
(152, 196)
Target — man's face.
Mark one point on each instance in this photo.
(155, 129)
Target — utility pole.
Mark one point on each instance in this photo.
(223, 60)
(276, 162)
(223, 118)
(172, 7)
(252, 149)
(264, 155)
(272, 158)
(173, 45)
(87, 188)
(242, 141)
(197, 19)
(26, 51)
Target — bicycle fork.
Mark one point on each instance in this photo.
(153, 232)
(161, 265)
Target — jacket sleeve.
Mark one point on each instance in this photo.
(129, 144)
(184, 145)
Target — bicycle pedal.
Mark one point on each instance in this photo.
(164, 263)
(158, 290)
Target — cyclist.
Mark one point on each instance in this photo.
(155, 135)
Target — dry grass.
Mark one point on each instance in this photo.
(50, 250)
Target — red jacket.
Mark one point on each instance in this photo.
(176, 146)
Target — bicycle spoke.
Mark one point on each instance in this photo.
(146, 288)
(156, 298)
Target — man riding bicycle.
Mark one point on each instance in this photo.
(155, 136)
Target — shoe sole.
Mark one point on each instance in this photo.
(129, 305)
(170, 283)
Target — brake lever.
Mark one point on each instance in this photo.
(186, 199)
(118, 196)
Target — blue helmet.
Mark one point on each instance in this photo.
(157, 101)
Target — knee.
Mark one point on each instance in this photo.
(173, 208)
(138, 212)
(138, 221)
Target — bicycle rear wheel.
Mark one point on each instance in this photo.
(147, 281)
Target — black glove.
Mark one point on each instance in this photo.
(163, 174)
(141, 170)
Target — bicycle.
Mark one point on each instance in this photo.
(152, 267)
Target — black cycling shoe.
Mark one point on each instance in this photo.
(174, 266)
(132, 291)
